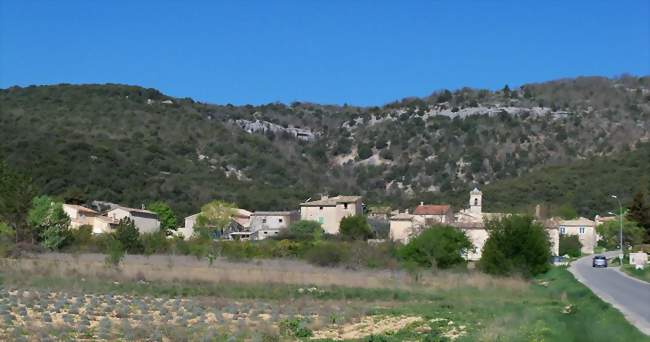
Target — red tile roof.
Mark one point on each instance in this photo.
(431, 209)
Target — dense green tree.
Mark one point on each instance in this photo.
(570, 245)
(609, 233)
(214, 217)
(440, 246)
(516, 245)
(355, 228)
(305, 230)
(16, 194)
(49, 222)
(128, 236)
(639, 212)
(364, 151)
(165, 214)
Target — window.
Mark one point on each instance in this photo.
(321, 208)
(345, 206)
(562, 230)
(263, 220)
(582, 230)
(476, 201)
(280, 220)
(266, 233)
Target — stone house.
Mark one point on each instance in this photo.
(145, 221)
(265, 224)
(584, 229)
(405, 226)
(471, 221)
(434, 213)
(329, 211)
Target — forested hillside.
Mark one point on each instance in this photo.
(133, 145)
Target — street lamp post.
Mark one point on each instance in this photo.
(620, 206)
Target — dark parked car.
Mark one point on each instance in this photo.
(599, 261)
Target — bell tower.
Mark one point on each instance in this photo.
(475, 201)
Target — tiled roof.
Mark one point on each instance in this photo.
(577, 222)
(135, 211)
(332, 201)
(80, 208)
(273, 213)
(431, 209)
(402, 217)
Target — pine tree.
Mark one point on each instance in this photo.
(639, 211)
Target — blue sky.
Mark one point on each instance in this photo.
(355, 52)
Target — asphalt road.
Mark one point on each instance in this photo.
(628, 295)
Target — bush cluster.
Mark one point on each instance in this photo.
(570, 245)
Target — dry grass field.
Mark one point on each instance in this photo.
(170, 298)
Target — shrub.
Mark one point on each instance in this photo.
(115, 252)
(355, 228)
(516, 245)
(128, 235)
(441, 246)
(286, 248)
(371, 255)
(155, 243)
(180, 246)
(303, 230)
(295, 327)
(7, 238)
(82, 236)
(199, 247)
(326, 254)
(570, 245)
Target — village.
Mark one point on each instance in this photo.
(248, 225)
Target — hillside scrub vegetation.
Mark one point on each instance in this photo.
(554, 140)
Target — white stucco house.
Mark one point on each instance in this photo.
(82, 216)
(329, 211)
(145, 221)
(79, 215)
(265, 224)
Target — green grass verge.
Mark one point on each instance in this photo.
(643, 274)
(563, 310)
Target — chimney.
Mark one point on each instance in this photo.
(324, 197)
(538, 211)
(406, 211)
(142, 206)
(421, 203)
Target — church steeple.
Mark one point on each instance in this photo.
(475, 201)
